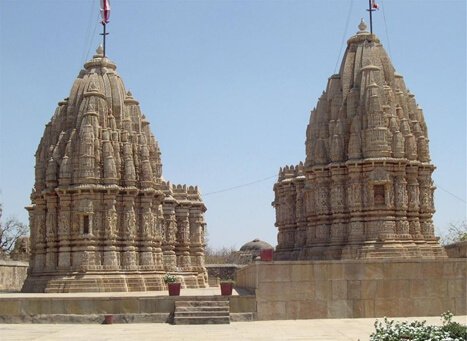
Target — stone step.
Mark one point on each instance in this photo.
(202, 320)
(202, 312)
(179, 314)
(202, 308)
(201, 304)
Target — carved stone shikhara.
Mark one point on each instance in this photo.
(365, 190)
(102, 216)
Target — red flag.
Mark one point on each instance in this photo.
(374, 5)
(105, 11)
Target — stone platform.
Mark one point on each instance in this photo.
(154, 306)
(287, 290)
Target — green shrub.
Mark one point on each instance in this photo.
(391, 330)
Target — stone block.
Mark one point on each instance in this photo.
(403, 270)
(292, 310)
(340, 309)
(274, 272)
(393, 307)
(302, 272)
(457, 288)
(103, 306)
(306, 309)
(10, 307)
(320, 271)
(323, 290)
(433, 306)
(354, 271)
(285, 291)
(272, 310)
(273, 291)
(240, 304)
(393, 288)
(338, 289)
(428, 288)
(363, 308)
(353, 289)
(35, 306)
(126, 305)
(455, 269)
(336, 271)
(460, 306)
(368, 289)
(433, 269)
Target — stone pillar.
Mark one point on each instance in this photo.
(182, 246)
(413, 203)
(354, 199)
(129, 230)
(146, 233)
(64, 226)
(401, 205)
(110, 258)
(197, 225)
(51, 232)
(157, 230)
(169, 235)
(38, 232)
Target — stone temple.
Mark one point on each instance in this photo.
(365, 189)
(102, 216)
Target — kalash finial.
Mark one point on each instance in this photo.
(362, 26)
(100, 50)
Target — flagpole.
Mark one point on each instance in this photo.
(103, 37)
(370, 9)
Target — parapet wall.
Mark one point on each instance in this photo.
(457, 250)
(12, 275)
(351, 289)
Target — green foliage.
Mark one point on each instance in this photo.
(457, 232)
(169, 278)
(391, 330)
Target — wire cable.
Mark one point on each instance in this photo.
(89, 37)
(344, 35)
(452, 194)
(240, 186)
(386, 29)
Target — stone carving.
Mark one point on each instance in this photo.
(99, 199)
(368, 173)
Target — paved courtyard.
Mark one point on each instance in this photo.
(329, 329)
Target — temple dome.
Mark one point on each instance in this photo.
(365, 189)
(256, 245)
(82, 142)
(100, 206)
(366, 111)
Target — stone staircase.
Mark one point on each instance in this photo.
(202, 312)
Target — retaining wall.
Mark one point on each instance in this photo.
(353, 289)
(12, 275)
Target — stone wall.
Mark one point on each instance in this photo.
(90, 308)
(351, 289)
(12, 275)
(219, 272)
(457, 250)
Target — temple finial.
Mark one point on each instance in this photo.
(362, 26)
(100, 50)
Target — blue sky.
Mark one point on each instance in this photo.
(228, 87)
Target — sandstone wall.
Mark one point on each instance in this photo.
(351, 289)
(12, 275)
(457, 250)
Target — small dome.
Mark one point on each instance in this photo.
(256, 245)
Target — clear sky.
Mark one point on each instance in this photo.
(228, 86)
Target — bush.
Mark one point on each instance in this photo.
(419, 331)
